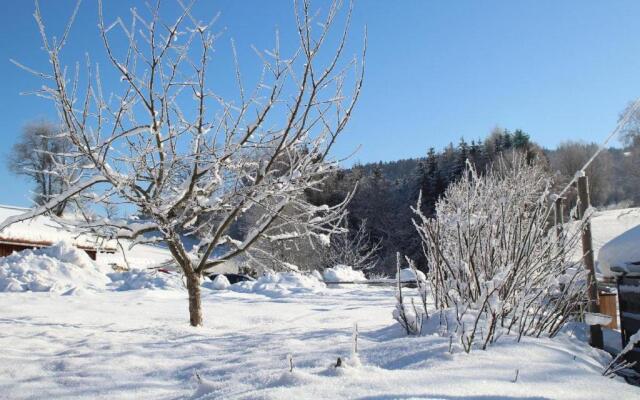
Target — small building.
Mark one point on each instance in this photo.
(43, 231)
(619, 259)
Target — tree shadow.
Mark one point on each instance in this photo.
(448, 397)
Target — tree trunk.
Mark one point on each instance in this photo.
(195, 306)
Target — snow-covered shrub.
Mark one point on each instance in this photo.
(353, 247)
(619, 363)
(409, 317)
(494, 259)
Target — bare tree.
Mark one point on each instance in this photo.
(165, 143)
(571, 156)
(353, 247)
(36, 155)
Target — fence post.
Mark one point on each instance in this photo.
(559, 202)
(596, 339)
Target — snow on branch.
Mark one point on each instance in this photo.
(194, 165)
(494, 259)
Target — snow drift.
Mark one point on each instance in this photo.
(408, 275)
(62, 268)
(281, 284)
(343, 273)
(220, 283)
(144, 279)
(59, 268)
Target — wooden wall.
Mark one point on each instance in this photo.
(7, 248)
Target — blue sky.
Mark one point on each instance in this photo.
(436, 71)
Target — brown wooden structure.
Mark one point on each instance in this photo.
(609, 306)
(8, 246)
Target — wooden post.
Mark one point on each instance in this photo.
(559, 217)
(608, 307)
(596, 339)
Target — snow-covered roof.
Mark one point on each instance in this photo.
(621, 254)
(43, 230)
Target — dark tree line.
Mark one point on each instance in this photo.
(386, 190)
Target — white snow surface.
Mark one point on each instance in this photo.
(107, 341)
(596, 318)
(220, 283)
(58, 268)
(145, 279)
(620, 251)
(343, 273)
(64, 269)
(408, 275)
(41, 229)
(606, 226)
(281, 284)
(137, 344)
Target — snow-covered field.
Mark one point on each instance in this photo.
(137, 344)
(73, 329)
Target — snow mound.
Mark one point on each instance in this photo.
(343, 273)
(281, 284)
(408, 275)
(206, 390)
(620, 251)
(60, 268)
(144, 279)
(220, 283)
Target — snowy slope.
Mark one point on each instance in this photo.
(128, 344)
(137, 344)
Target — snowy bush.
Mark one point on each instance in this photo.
(493, 258)
(353, 247)
(409, 317)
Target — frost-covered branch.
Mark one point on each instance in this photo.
(494, 258)
(192, 163)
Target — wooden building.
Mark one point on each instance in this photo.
(43, 231)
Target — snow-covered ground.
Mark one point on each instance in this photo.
(71, 328)
(137, 344)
